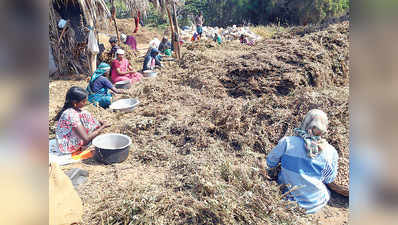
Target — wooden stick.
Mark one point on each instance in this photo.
(114, 21)
(177, 46)
(63, 31)
(117, 31)
(170, 20)
(175, 19)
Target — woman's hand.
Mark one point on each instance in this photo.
(269, 173)
(121, 73)
(81, 132)
(105, 125)
(122, 92)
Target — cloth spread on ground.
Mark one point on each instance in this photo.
(122, 65)
(65, 205)
(307, 174)
(55, 156)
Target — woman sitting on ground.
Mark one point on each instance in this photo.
(195, 37)
(308, 162)
(151, 60)
(129, 40)
(76, 127)
(165, 47)
(99, 86)
(115, 47)
(243, 40)
(217, 38)
(122, 70)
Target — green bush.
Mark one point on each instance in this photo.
(261, 12)
(154, 18)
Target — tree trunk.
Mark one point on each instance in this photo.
(170, 20)
(177, 45)
(175, 18)
(113, 12)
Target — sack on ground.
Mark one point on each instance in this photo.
(65, 205)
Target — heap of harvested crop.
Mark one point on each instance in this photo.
(282, 79)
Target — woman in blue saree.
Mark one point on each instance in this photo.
(99, 86)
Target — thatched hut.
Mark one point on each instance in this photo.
(68, 45)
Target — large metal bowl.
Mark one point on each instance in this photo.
(111, 148)
(124, 84)
(124, 105)
(150, 73)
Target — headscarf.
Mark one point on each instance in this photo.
(123, 37)
(313, 144)
(154, 43)
(120, 51)
(154, 51)
(101, 70)
(112, 40)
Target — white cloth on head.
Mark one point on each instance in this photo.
(315, 118)
(123, 37)
(154, 43)
(120, 51)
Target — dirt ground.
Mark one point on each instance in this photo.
(202, 124)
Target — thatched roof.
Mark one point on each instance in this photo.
(68, 45)
(68, 48)
(95, 9)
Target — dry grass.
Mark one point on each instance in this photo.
(267, 31)
(201, 127)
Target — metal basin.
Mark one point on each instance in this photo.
(124, 84)
(124, 105)
(111, 148)
(150, 73)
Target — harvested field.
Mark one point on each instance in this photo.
(201, 127)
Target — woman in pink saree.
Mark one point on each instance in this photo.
(122, 70)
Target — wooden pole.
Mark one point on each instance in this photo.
(113, 12)
(175, 18)
(63, 31)
(170, 20)
(171, 24)
(177, 45)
